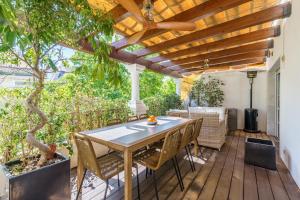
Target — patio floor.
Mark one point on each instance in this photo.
(219, 175)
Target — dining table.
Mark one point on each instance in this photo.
(129, 137)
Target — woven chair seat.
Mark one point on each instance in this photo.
(148, 158)
(157, 145)
(110, 165)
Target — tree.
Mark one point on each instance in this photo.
(105, 88)
(31, 32)
(154, 84)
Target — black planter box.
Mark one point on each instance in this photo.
(261, 153)
(49, 182)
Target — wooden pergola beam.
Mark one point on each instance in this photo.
(230, 64)
(226, 68)
(118, 13)
(225, 43)
(263, 45)
(201, 11)
(267, 15)
(126, 57)
(232, 58)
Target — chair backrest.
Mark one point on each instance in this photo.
(170, 146)
(132, 118)
(173, 114)
(187, 134)
(143, 116)
(197, 129)
(86, 153)
(113, 122)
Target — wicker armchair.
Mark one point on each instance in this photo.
(154, 159)
(104, 167)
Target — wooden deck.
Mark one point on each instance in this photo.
(219, 175)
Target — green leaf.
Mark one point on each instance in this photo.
(10, 37)
(4, 48)
(52, 65)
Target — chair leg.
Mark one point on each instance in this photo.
(188, 155)
(155, 185)
(176, 162)
(197, 143)
(138, 183)
(179, 180)
(147, 172)
(118, 180)
(106, 188)
(81, 182)
(188, 147)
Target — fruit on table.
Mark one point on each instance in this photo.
(152, 118)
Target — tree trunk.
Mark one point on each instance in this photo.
(32, 105)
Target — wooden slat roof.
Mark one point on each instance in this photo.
(223, 27)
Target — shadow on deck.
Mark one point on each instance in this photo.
(218, 175)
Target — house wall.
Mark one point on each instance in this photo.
(287, 51)
(237, 94)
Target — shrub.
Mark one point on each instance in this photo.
(158, 105)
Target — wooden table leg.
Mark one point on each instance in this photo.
(128, 174)
(79, 172)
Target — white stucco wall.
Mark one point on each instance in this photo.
(288, 46)
(237, 94)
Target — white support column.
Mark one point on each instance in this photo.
(136, 105)
(178, 86)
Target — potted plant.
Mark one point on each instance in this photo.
(31, 33)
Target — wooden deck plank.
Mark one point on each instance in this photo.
(189, 178)
(237, 182)
(250, 185)
(277, 187)
(223, 187)
(285, 176)
(263, 184)
(200, 180)
(212, 181)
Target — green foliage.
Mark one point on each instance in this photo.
(58, 102)
(154, 84)
(105, 88)
(13, 123)
(158, 105)
(30, 30)
(208, 92)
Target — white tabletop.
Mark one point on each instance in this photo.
(131, 133)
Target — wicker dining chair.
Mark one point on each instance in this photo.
(154, 159)
(114, 121)
(173, 114)
(104, 167)
(143, 116)
(197, 130)
(132, 118)
(186, 139)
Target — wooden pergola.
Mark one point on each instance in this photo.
(230, 34)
